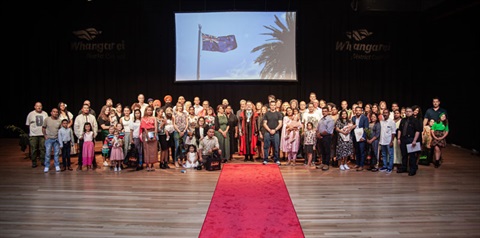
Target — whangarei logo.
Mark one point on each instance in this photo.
(361, 47)
(87, 34)
(87, 42)
(358, 35)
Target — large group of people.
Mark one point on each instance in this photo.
(184, 134)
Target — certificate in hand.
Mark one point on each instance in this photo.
(358, 133)
(411, 149)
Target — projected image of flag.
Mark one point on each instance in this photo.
(218, 44)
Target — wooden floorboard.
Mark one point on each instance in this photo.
(440, 202)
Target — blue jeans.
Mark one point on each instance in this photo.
(360, 154)
(268, 139)
(387, 162)
(48, 149)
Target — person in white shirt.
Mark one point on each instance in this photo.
(37, 141)
(78, 125)
(197, 106)
(387, 135)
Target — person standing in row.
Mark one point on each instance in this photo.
(439, 131)
(361, 122)
(324, 133)
(88, 146)
(408, 134)
(272, 122)
(37, 141)
(135, 134)
(50, 128)
(221, 132)
(248, 131)
(78, 128)
(65, 139)
(434, 112)
(148, 130)
(387, 135)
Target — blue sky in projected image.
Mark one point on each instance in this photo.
(237, 64)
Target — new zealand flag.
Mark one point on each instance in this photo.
(218, 44)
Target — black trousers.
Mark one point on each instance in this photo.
(325, 143)
(409, 160)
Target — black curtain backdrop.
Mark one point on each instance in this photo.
(429, 52)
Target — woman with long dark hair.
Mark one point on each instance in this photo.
(439, 131)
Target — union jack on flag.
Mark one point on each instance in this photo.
(218, 44)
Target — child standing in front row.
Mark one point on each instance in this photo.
(107, 145)
(116, 156)
(309, 143)
(65, 140)
(88, 152)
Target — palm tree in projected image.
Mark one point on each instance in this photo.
(277, 55)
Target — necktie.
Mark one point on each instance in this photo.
(405, 127)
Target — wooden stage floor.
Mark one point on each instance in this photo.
(441, 202)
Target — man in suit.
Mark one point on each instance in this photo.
(360, 121)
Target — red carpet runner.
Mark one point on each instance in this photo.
(251, 200)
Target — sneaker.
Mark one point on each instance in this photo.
(383, 169)
(57, 168)
(115, 169)
(325, 167)
(278, 163)
(341, 167)
(105, 163)
(389, 171)
(346, 167)
(45, 170)
(265, 162)
(120, 168)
